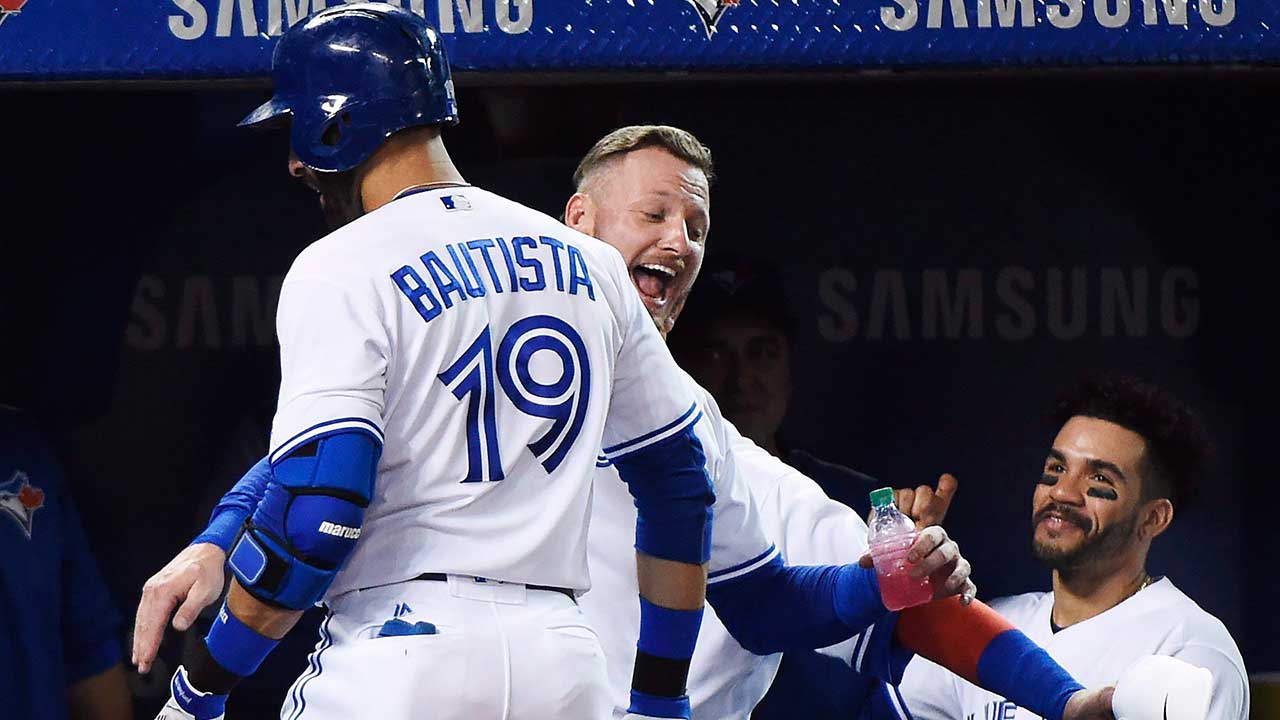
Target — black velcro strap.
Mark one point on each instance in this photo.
(351, 497)
(273, 574)
(660, 676)
(205, 673)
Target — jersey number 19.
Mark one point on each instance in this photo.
(563, 401)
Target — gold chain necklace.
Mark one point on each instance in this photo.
(1146, 580)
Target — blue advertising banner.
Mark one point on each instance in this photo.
(92, 39)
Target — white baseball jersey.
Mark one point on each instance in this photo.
(809, 528)
(1158, 620)
(495, 351)
(738, 546)
(759, 499)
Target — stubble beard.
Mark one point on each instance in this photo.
(1091, 553)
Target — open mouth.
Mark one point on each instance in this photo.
(654, 282)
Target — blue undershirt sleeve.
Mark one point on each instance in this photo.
(238, 504)
(777, 607)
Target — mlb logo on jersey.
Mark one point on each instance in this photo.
(20, 500)
(455, 202)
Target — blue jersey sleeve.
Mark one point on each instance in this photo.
(237, 505)
(778, 607)
(885, 702)
(877, 654)
(90, 621)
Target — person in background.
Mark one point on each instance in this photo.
(60, 653)
(1126, 460)
(736, 338)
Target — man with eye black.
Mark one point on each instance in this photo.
(1124, 464)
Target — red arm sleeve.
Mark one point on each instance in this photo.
(950, 633)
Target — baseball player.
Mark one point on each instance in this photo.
(1123, 464)
(452, 364)
(645, 190)
(806, 606)
(60, 654)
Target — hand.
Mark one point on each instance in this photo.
(937, 556)
(924, 504)
(194, 577)
(1089, 705)
(187, 703)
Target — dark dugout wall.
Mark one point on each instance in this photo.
(954, 249)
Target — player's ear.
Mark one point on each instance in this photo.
(580, 213)
(1157, 515)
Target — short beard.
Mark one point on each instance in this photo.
(1092, 552)
(342, 200)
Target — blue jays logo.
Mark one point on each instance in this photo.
(20, 500)
(711, 11)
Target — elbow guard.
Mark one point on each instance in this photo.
(673, 497)
(308, 520)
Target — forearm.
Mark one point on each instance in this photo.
(268, 620)
(671, 584)
(104, 696)
(672, 595)
(673, 499)
(976, 643)
(780, 608)
(244, 632)
(282, 564)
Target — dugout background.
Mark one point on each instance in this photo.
(144, 239)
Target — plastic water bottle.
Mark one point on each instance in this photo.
(891, 536)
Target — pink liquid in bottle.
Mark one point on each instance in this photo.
(891, 535)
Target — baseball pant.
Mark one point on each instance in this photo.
(499, 651)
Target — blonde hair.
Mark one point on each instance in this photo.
(680, 143)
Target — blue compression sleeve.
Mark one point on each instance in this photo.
(238, 504)
(776, 608)
(237, 647)
(977, 644)
(673, 497)
(663, 652)
(1018, 668)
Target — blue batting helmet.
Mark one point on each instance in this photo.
(352, 75)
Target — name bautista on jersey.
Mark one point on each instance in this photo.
(532, 257)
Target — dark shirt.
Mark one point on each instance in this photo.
(57, 623)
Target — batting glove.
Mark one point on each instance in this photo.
(188, 703)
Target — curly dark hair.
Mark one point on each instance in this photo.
(1179, 448)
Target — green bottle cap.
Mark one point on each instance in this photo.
(882, 497)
